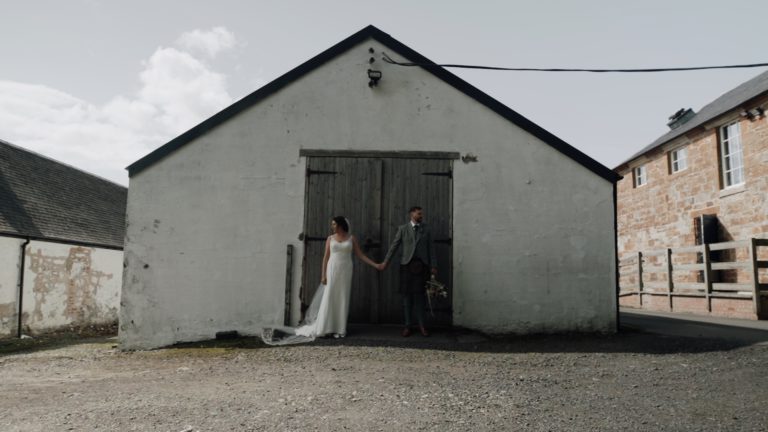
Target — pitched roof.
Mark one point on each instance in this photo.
(722, 105)
(386, 40)
(48, 200)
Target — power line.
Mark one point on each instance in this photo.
(673, 69)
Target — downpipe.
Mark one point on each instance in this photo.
(21, 283)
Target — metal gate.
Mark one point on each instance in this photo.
(375, 193)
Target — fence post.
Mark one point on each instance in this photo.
(707, 277)
(288, 285)
(640, 277)
(669, 277)
(755, 276)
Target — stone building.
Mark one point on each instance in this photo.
(61, 240)
(226, 223)
(703, 182)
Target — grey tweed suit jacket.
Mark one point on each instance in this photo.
(419, 244)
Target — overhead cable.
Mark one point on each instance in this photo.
(388, 59)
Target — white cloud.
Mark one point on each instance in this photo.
(178, 90)
(72, 130)
(209, 42)
(182, 86)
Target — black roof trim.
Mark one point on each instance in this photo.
(62, 241)
(385, 39)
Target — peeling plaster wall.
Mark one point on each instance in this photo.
(63, 285)
(208, 225)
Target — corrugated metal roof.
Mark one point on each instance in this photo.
(45, 199)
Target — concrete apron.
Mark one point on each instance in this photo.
(391, 334)
(688, 325)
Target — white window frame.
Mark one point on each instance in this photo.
(731, 155)
(640, 176)
(678, 159)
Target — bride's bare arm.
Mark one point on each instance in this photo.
(326, 256)
(359, 253)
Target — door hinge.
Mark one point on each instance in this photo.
(311, 171)
(311, 238)
(448, 174)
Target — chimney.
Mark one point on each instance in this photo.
(680, 117)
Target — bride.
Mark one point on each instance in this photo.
(329, 308)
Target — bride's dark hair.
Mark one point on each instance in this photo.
(341, 222)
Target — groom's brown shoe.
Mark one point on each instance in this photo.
(406, 332)
(423, 331)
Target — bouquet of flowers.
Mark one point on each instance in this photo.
(435, 289)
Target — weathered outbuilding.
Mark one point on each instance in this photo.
(61, 239)
(226, 223)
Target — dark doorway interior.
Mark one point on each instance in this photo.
(375, 195)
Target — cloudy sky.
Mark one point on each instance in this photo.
(99, 84)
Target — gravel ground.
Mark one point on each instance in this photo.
(629, 381)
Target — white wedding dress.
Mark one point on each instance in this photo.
(329, 309)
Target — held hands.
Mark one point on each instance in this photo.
(381, 266)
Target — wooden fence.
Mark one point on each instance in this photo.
(669, 262)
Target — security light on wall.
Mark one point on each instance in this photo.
(374, 76)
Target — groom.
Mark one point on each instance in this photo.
(418, 261)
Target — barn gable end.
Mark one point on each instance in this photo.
(212, 213)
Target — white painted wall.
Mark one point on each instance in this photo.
(10, 249)
(63, 285)
(208, 225)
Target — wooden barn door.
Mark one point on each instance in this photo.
(426, 183)
(375, 195)
(349, 187)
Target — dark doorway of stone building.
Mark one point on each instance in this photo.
(375, 192)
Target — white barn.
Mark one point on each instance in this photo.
(226, 222)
